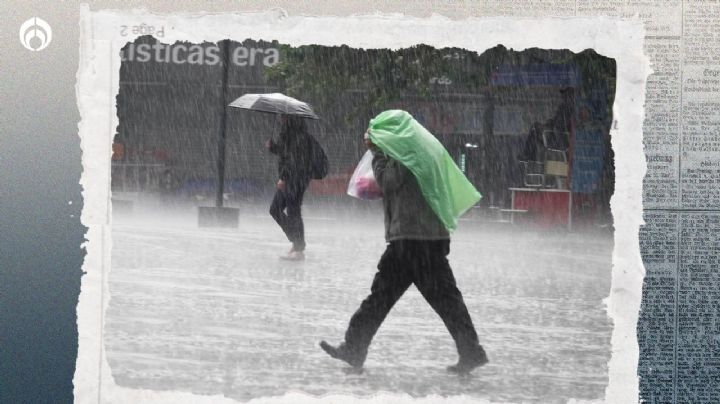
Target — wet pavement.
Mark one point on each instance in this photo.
(214, 311)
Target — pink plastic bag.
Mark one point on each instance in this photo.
(362, 183)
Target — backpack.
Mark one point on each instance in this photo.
(319, 165)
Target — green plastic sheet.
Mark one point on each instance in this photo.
(444, 186)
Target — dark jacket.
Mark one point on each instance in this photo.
(295, 151)
(407, 215)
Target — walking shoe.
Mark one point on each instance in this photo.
(345, 354)
(466, 365)
(293, 256)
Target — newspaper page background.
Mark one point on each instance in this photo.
(678, 328)
(678, 335)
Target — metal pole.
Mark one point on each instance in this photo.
(488, 174)
(223, 120)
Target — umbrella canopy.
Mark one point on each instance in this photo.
(275, 103)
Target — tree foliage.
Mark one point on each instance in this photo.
(379, 77)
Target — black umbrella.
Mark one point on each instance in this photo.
(275, 103)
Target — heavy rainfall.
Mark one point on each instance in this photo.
(200, 301)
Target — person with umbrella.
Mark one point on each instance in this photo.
(300, 159)
(424, 193)
(295, 153)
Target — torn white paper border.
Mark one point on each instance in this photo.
(97, 87)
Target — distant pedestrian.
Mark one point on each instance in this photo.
(300, 159)
(418, 240)
(533, 148)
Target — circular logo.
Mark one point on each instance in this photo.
(35, 34)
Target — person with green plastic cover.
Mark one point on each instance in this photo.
(424, 193)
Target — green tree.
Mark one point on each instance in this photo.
(377, 78)
(380, 76)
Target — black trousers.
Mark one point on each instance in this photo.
(425, 264)
(285, 209)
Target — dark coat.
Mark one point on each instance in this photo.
(407, 214)
(295, 152)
